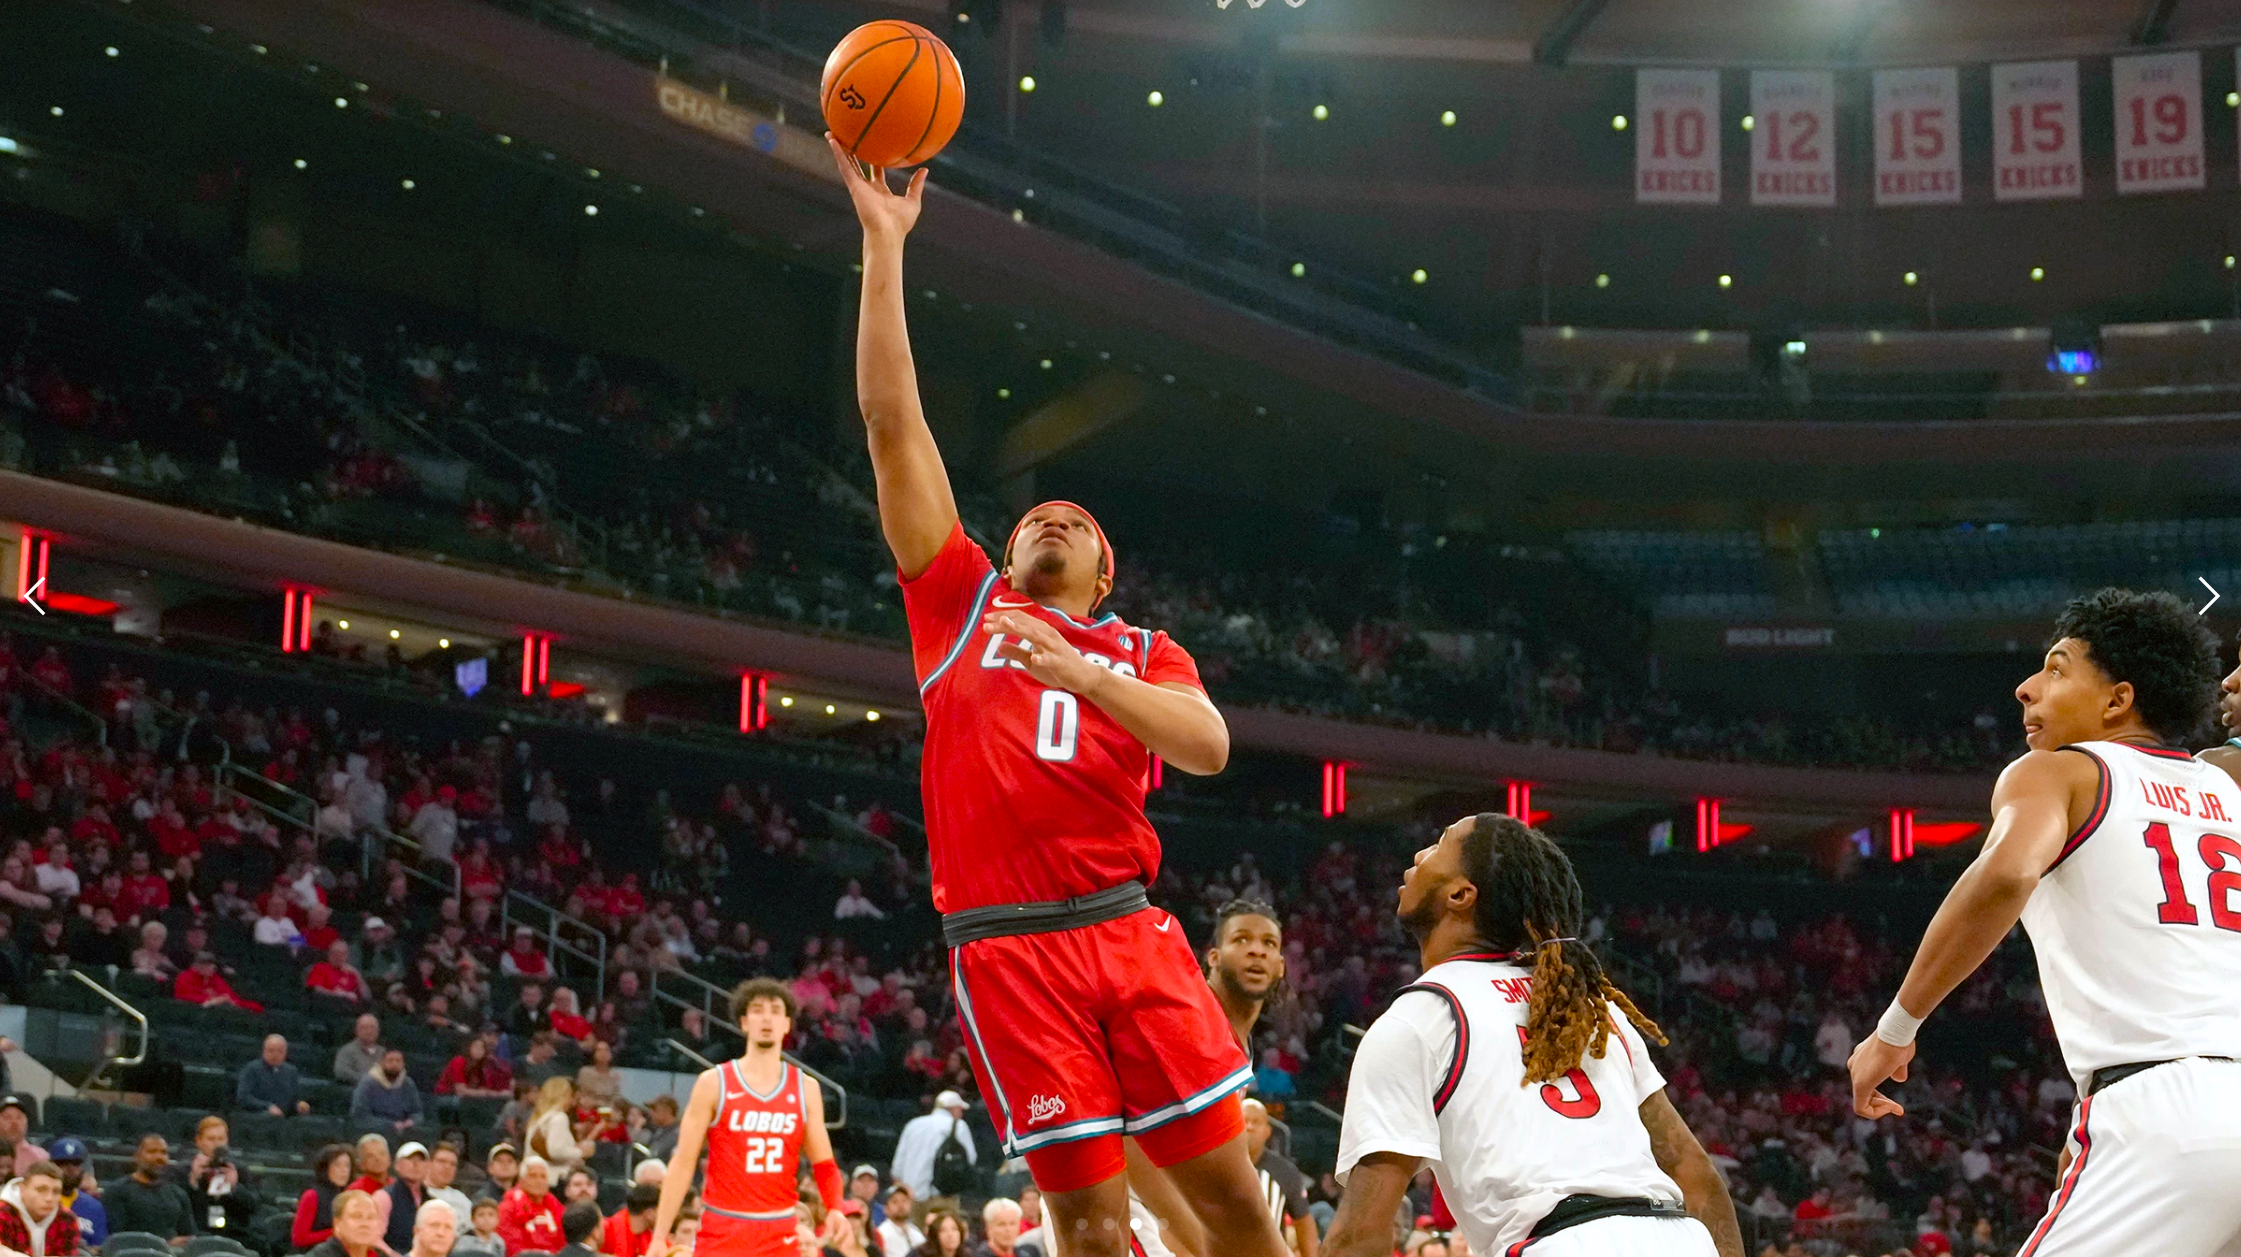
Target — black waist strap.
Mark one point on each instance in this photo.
(1048, 916)
(2109, 1076)
(1574, 1210)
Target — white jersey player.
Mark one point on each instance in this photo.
(1520, 1075)
(2121, 855)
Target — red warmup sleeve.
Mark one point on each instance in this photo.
(829, 1186)
(513, 1211)
(939, 601)
(1165, 660)
(302, 1234)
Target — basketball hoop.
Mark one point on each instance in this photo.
(1254, 4)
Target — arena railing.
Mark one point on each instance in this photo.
(290, 806)
(565, 935)
(112, 1060)
(69, 706)
(836, 1115)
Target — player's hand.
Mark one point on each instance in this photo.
(1871, 1063)
(1043, 651)
(657, 1246)
(883, 211)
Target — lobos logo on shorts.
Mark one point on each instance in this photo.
(1043, 1108)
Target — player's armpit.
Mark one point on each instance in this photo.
(1375, 1188)
(1703, 1191)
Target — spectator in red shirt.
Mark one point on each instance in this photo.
(529, 1216)
(202, 984)
(523, 960)
(630, 1230)
(337, 979)
(94, 826)
(145, 890)
(1811, 1212)
(170, 830)
(53, 672)
(627, 901)
(568, 1020)
(475, 1072)
(479, 877)
(318, 935)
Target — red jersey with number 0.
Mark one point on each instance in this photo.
(754, 1145)
(1032, 793)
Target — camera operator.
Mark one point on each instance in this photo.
(224, 1199)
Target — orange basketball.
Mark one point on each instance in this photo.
(893, 94)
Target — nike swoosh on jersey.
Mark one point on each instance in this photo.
(1010, 606)
(1162, 925)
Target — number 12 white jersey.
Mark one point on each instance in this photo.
(1439, 1077)
(2137, 925)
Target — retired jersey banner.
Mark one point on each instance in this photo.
(1917, 136)
(2035, 131)
(1677, 137)
(2158, 121)
(1793, 137)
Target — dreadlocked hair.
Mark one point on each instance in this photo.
(1529, 900)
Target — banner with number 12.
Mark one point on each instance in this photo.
(1793, 137)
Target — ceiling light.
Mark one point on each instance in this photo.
(1299, 270)
(1618, 122)
(407, 184)
(394, 635)
(830, 709)
(2038, 273)
(591, 211)
(342, 102)
(2229, 261)
(1749, 122)
(787, 701)
(1602, 281)
(1727, 281)
(2233, 100)
(8, 144)
(1027, 82)
(1045, 364)
(443, 643)
(301, 163)
(56, 111)
(1418, 275)
(110, 51)
(872, 716)
(590, 173)
(1912, 279)
(1156, 99)
(343, 625)
(1003, 394)
(259, 49)
(1447, 119)
(1019, 216)
(1322, 113)
(505, 139)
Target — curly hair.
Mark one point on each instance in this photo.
(1529, 898)
(746, 993)
(2158, 645)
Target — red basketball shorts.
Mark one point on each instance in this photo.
(723, 1236)
(1095, 1032)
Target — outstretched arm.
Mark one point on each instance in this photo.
(1174, 721)
(2031, 810)
(916, 509)
(1702, 1190)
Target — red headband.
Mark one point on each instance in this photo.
(1104, 547)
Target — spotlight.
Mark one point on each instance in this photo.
(1322, 113)
(872, 716)
(1447, 119)
(407, 184)
(443, 643)
(1912, 279)
(1749, 122)
(1299, 270)
(1027, 82)
(344, 625)
(787, 701)
(2038, 273)
(830, 709)
(301, 163)
(110, 51)
(1045, 364)
(1727, 281)
(1003, 394)
(1156, 99)
(591, 211)
(1618, 122)
(1602, 281)
(342, 102)
(394, 635)
(1418, 276)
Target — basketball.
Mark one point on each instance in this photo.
(892, 93)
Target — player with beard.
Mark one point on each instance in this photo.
(1244, 966)
(758, 1115)
(1497, 1068)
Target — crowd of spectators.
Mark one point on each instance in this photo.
(611, 473)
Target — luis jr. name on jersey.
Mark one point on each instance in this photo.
(2170, 798)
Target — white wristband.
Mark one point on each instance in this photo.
(1898, 1025)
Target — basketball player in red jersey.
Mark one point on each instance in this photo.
(1084, 1011)
(758, 1115)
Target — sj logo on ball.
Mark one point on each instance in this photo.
(852, 98)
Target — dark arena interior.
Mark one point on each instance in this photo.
(451, 609)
